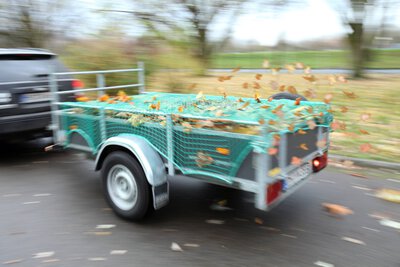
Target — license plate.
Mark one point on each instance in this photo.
(298, 174)
(35, 97)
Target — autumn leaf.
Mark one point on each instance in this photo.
(332, 80)
(365, 116)
(270, 99)
(272, 151)
(265, 107)
(203, 159)
(310, 78)
(344, 109)
(258, 76)
(363, 131)
(274, 172)
(328, 98)
(310, 93)
(240, 100)
(282, 88)
(223, 151)
(245, 85)
(297, 101)
(364, 148)
(180, 108)
(246, 104)
(256, 85)
(349, 94)
(301, 131)
(236, 69)
(73, 127)
(291, 127)
(311, 124)
(310, 110)
(199, 95)
(261, 121)
(290, 68)
(221, 78)
(278, 108)
(271, 122)
(296, 161)
(303, 146)
(104, 98)
(291, 89)
(336, 209)
(219, 113)
(82, 99)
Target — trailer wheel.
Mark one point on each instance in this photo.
(125, 186)
(289, 96)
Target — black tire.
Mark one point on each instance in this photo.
(289, 96)
(123, 177)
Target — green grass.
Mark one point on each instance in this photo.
(315, 59)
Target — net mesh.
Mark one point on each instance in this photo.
(211, 135)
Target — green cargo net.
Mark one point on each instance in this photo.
(211, 135)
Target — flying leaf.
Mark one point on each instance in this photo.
(301, 131)
(349, 94)
(310, 78)
(274, 172)
(365, 116)
(246, 104)
(391, 195)
(290, 68)
(104, 98)
(328, 98)
(297, 101)
(258, 76)
(274, 85)
(336, 209)
(223, 151)
(158, 105)
(291, 89)
(365, 147)
(304, 146)
(265, 64)
(258, 220)
(296, 161)
(311, 124)
(272, 151)
(236, 69)
(199, 95)
(256, 85)
(203, 159)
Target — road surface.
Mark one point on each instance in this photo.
(53, 214)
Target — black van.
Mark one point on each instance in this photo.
(25, 91)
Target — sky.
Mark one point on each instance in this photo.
(312, 20)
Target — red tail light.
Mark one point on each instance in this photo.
(274, 191)
(77, 84)
(320, 162)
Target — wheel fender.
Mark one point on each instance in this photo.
(149, 159)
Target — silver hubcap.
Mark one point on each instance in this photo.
(122, 187)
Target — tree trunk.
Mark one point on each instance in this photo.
(357, 49)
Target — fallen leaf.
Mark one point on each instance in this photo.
(82, 99)
(258, 76)
(256, 85)
(349, 94)
(299, 65)
(389, 195)
(290, 68)
(336, 209)
(272, 151)
(328, 98)
(274, 172)
(296, 161)
(104, 98)
(291, 127)
(304, 146)
(180, 108)
(265, 107)
(291, 89)
(245, 85)
(271, 122)
(342, 79)
(364, 148)
(258, 220)
(310, 93)
(192, 86)
(223, 151)
(344, 109)
(307, 70)
(275, 71)
(335, 125)
(240, 100)
(363, 131)
(246, 104)
(310, 78)
(297, 101)
(353, 240)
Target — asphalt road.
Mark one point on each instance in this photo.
(52, 202)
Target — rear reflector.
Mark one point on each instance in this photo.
(274, 191)
(320, 162)
(77, 84)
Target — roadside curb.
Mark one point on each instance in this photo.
(368, 162)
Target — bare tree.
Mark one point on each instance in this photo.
(189, 22)
(33, 23)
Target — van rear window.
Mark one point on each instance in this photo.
(26, 56)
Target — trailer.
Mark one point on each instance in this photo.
(268, 147)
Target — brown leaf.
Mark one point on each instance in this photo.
(349, 94)
(271, 122)
(258, 76)
(278, 108)
(336, 209)
(328, 98)
(290, 68)
(304, 146)
(365, 147)
(282, 88)
(344, 109)
(310, 78)
(256, 85)
(275, 71)
(363, 131)
(180, 108)
(291, 89)
(258, 220)
(291, 127)
(299, 65)
(223, 151)
(265, 107)
(245, 85)
(300, 131)
(297, 101)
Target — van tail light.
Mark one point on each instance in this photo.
(77, 84)
(274, 190)
(319, 163)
